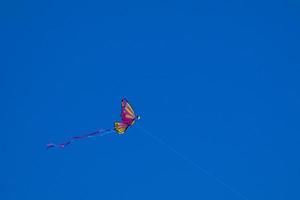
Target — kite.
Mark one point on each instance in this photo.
(128, 118)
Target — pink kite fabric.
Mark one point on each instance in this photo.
(128, 117)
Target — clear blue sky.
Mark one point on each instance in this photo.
(217, 80)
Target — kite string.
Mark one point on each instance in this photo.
(162, 142)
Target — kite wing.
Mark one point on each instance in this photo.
(127, 113)
(121, 127)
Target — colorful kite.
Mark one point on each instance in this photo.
(128, 118)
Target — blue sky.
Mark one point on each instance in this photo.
(216, 80)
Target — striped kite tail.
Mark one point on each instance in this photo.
(100, 132)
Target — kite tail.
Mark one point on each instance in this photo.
(100, 132)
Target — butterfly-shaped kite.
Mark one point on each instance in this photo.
(128, 118)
